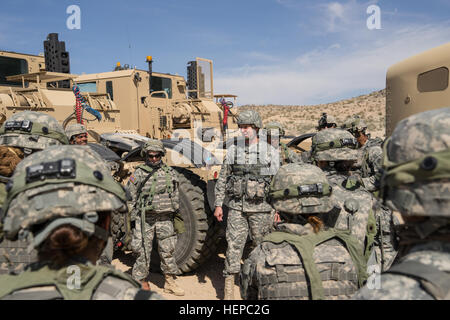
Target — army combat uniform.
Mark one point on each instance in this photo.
(154, 210)
(416, 183)
(296, 261)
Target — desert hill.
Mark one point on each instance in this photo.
(302, 119)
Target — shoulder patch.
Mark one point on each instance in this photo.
(133, 178)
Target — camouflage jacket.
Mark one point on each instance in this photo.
(356, 206)
(39, 282)
(370, 158)
(247, 192)
(276, 270)
(288, 156)
(165, 198)
(396, 286)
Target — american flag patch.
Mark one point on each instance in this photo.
(132, 178)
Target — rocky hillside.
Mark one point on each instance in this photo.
(302, 119)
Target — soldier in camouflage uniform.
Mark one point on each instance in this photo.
(77, 134)
(21, 135)
(416, 182)
(275, 131)
(370, 153)
(326, 122)
(305, 258)
(244, 181)
(61, 199)
(334, 151)
(155, 200)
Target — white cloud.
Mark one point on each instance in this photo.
(330, 74)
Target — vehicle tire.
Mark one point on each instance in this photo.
(200, 239)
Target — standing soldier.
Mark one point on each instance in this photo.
(21, 135)
(370, 152)
(244, 179)
(77, 134)
(305, 258)
(326, 122)
(62, 199)
(155, 197)
(275, 131)
(416, 183)
(334, 151)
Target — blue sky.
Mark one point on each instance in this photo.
(266, 51)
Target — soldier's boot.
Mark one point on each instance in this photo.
(229, 287)
(171, 287)
(145, 285)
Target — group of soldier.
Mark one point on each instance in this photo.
(321, 223)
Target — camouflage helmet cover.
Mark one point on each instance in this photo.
(301, 189)
(274, 125)
(249, 117)
(334, 145)
(416, 165)
(153, 145)
(354, 123)
(33, 130)
(75, 129)
(60, 184)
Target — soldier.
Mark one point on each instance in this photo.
(305, 258)
(244, 179)
(77, 134)
(155, 197)
(326, 122)
(62, 199)
(370, 153)
(334, 151)
(21, 135)
(416, 183)
(275, 130)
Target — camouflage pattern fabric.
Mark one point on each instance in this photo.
(276, 271)
(51, 133)
(369, 163)
(97, 283)
(159, 227)
(260, 154)
(153, 145)
(239, 225)
(354, 123)
(392, 286)
(74, 130)
(249, 117)
(159, 221)
(333, 145)
(289, 156)
(355, 204)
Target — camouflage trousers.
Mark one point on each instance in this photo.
(239, 225)
(14, 256)
(159, 226)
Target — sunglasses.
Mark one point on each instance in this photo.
(154, 156)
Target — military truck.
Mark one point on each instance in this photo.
(136, 105)
(417, 84)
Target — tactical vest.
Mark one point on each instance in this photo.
(14, 256)
(91, 278)
(434, 281)
(277, 283)
(159, 198)
(247, 180)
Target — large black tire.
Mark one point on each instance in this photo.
(201, 236)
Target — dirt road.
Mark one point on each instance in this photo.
(205, 283)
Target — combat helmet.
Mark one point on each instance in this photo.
(274, 125)
(416, 164)
(249, 117)
(326, 121)
(75, 129)
(153, 145)
(334, 145)
(354, 124)
(300, 189)
(32, 130)
(57, 186)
